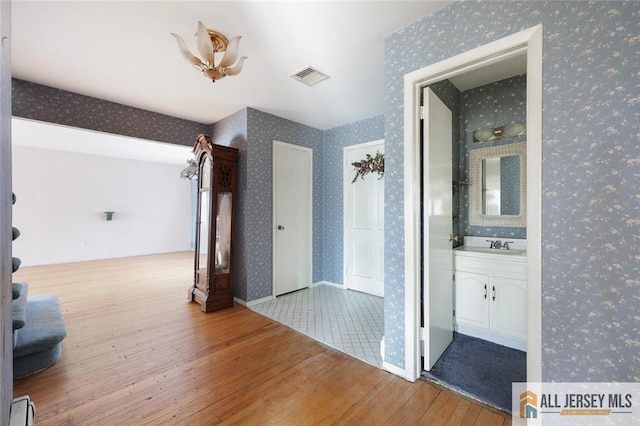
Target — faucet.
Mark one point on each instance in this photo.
(497, 244)
(494, 244)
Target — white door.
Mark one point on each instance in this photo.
(437, 221)
(363, 223)
(292, 217)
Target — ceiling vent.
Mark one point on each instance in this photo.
(310, 76)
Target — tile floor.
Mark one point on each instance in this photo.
(349, 321)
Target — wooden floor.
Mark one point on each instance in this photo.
(138, 353)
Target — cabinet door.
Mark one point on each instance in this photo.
(472, 299)
(508, 306)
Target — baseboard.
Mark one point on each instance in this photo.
(394, 370)
(252, 302)
(329, 283)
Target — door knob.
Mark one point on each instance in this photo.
(280, 227)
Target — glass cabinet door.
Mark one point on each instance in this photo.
(223, 233)
(203, 230)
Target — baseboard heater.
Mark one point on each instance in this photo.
(22, 412)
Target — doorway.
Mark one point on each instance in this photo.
(363, 223)
(437, 253)
(528, 42)
(292, 217)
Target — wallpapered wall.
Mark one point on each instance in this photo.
(263, 129)
(491, 105)
(232, 131)
(44, 103)
(591, 146)
(334, 140)
(253, 132)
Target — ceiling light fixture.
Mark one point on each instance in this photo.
(210, 42)
(509, 131)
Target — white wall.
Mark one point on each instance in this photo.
(61, 197)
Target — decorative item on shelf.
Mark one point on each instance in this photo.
(109, 215)
(210, 42)
(508, 131)
(190, 171)
(369, 165)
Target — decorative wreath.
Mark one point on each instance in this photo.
(369, 165)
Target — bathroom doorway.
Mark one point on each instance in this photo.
(484, 60)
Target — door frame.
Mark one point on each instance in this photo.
(529, 41)
(346, 181)
(274, 211)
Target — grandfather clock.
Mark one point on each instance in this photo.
(213, 266)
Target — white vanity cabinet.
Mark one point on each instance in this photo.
(490, 295)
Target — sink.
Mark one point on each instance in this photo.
(510, 252)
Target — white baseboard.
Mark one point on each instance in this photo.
(252, 302)
(329, 283)
(395, 370)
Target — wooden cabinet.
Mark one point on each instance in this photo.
(490, 301)
(213, 264)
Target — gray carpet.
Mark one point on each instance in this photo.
(480, 369)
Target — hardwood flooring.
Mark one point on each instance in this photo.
(138, 353)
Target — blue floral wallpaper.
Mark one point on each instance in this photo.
(492, 105)
(334, 140)
(262, 130)
(510, 185)
(591, 151)
(44, 103)
(253, 132)
(232, 131)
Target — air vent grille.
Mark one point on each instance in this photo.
(310, 76)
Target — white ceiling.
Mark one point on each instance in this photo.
(121, 51)
(492, 72)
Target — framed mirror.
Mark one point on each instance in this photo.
(497, 190)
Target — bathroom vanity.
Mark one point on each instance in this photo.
(491, 292)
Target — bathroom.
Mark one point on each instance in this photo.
(488, 133)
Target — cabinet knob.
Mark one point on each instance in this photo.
(493, 289)
(280, 227)
(485, 291)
